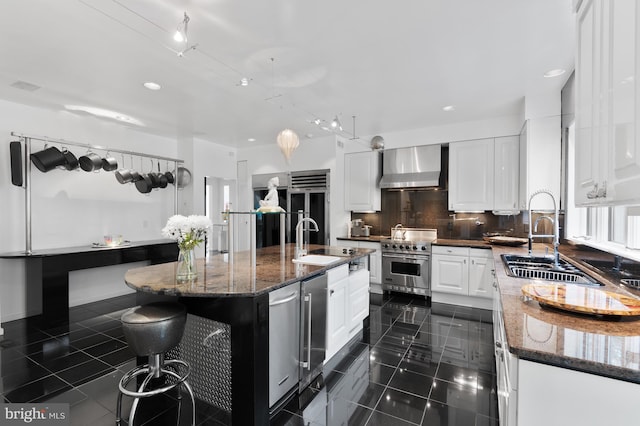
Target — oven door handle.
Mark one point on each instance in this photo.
(406, 256)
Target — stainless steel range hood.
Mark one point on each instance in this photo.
(414, 167)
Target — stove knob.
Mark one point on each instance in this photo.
(424, 248)
(415, 247)
(386, 246)
(394, 246)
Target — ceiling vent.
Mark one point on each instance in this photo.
(23, 85)
(310, 179)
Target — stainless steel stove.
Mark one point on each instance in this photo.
(406, 260)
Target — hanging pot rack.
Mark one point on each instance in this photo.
(27, 138)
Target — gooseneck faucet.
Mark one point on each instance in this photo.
(300, 250)
(556, 226)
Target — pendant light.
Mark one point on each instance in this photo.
(288, 141)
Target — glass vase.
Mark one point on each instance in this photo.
(186, 270)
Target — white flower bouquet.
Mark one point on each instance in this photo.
(188, 231)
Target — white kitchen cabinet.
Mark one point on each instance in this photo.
(375, 258)
(338, 321)
(624, 176)
(484, 175)
(607, 115)
(506, 174)
(481, 273)
(462, 275)
(347, 306)
(471, 175)
(358, 300)
(361, 181)
(449, 270)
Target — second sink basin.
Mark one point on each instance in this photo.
(317, 260)
(544, 268)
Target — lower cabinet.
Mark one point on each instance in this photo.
(347, 306)
(338, 321)
(462, 271)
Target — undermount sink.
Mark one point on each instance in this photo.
(317, 260)
(544, 268)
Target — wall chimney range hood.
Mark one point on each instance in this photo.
(414, 167)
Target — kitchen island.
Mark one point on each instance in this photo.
(557, 367)
(228, 325)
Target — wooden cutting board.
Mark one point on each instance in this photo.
(582, 299)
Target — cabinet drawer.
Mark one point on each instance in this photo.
(338, 273)
(478, 252)
(450, 250)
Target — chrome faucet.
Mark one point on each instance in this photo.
(300, 250)
(554, 221)
(398, 229)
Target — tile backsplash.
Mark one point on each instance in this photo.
(428, 209)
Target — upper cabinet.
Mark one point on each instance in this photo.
(506, 174)
(607, 66)
(361, 181)
(471, 175)
(484, 174)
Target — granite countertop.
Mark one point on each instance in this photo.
(439, 241)
(462, 243)
(217, 277)
(607, 347)
(370, 238)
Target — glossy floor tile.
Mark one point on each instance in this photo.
(417, 364)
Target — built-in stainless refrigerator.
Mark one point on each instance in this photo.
(306, 191)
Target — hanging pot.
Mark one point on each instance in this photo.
(162, 178)
(181, 177)
(109, 163)
(144, 185)
(48, 159)
(70, 160)
(90, 162)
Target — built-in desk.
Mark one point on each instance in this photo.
(48, 270)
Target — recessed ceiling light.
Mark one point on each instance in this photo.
(152, 86)
(244, 81)
(105, 113)
(23, 85)
(251, 139)
(554, 73)
(448, 108)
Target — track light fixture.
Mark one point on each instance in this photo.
(181, 31)
(335, 124)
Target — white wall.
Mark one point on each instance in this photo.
(74, 208)
(504, 126)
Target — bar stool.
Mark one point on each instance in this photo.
(151, 330)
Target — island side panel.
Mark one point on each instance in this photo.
(249, 321)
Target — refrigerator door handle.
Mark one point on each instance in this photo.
(306, 364)
(309, 335)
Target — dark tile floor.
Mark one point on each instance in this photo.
(419, 364)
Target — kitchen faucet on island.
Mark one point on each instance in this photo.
(300, 250)
(556, 226)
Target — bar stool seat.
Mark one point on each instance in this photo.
(151, 330)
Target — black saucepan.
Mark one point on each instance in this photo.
(144, 184)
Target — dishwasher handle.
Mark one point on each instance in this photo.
(287, 299)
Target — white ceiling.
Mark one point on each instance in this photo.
(392, 64)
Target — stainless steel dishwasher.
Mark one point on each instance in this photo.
(313, 320)
(284, 346)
